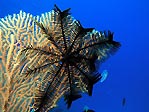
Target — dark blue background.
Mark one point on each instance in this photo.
(128, 68)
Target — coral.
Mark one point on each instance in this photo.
(17, 32)
(43, 58)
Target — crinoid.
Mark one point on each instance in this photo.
(68, 59)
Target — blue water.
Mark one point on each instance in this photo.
(128, 69)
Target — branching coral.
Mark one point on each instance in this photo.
(45, 58)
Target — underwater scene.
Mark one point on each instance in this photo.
(74, 56)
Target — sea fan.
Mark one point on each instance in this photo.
(44, 58)
(69, 57)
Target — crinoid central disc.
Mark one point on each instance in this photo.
(69, 58)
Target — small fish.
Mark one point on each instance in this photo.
(104, 75)
(86, 109)
(123, 102)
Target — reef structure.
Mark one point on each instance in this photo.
(43, 58)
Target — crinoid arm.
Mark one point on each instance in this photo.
(79, 48)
